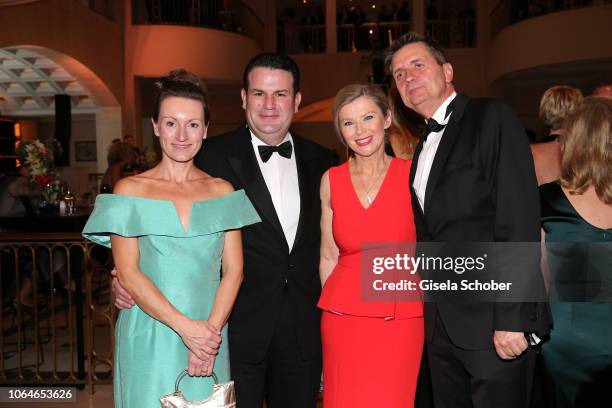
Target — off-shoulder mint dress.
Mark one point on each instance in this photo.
(185, 265)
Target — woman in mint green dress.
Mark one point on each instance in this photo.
(172, 230)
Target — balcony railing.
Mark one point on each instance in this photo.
(451, 33)
(509, 12)
(369, 36)
(57, 317)
(351, 37)
(235, 15)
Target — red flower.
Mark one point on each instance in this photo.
(42, 180)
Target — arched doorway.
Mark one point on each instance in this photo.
(31, 76)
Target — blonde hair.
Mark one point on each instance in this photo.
(558, 103)
(404, 121)
(352, 92)
(586, 149)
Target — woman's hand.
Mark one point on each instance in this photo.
(201, 338)
(198, 367)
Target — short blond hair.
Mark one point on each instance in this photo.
(558, 103)
(352, 92)
(586, 149)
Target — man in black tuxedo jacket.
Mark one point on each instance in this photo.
(472, 180)
(274, 328)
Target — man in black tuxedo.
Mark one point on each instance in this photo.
(472, 180)
(274, 329)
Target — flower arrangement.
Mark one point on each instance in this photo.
(40, 158)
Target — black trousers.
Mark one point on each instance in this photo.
(284, 379)
(424, 393)
(477, 378)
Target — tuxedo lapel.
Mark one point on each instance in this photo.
(244, 164)
(306, 183)
(445, 147)
(418, 211)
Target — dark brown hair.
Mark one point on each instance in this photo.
(273, 61)
(182, 84)
(410, 38)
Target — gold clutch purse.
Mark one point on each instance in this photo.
(223, 396)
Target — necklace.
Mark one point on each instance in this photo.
(369, 198)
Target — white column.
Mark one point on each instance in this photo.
(108, 127)
(331, 31)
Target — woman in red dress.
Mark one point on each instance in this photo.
(371, 349)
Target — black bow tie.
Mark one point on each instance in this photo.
(432, 126)
(284, 149)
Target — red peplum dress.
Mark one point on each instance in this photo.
(371, 350)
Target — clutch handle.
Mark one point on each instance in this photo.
(184, 373)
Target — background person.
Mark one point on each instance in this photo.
(576, 217)
(19, 195)
(172, 229)
(556, 106)
(121, 159)
(603, 90)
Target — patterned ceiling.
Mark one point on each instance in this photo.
(29, 82)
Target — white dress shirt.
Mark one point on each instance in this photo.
(428, 152)
(281, 177)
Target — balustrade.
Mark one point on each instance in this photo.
(57, 316)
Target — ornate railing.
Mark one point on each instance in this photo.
(369, 36)
(508, 12)
(57, 315)
(452, 33)
(352, 38)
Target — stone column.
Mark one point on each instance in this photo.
(108, 127)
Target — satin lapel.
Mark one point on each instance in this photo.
(444, 148)
(244, 164)
(305, 181)
(413, 169)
